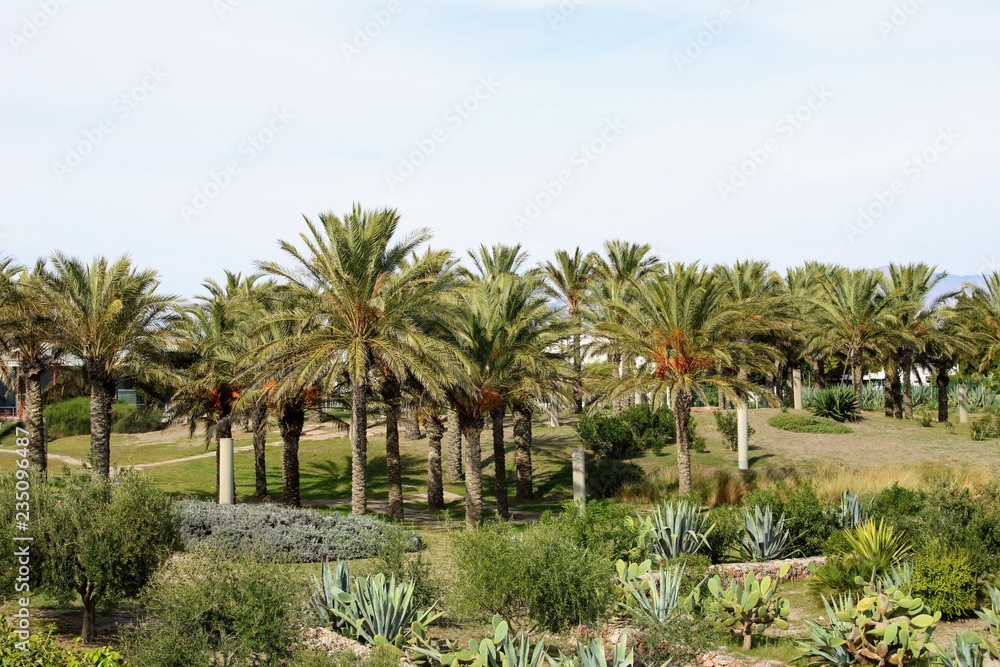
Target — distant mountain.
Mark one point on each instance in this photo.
(954, 283)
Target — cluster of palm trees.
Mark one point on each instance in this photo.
(361, 316)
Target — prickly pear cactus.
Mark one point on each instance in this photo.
(749, 609)
(890, 627)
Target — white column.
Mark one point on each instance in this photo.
(743, 434)
(227, 481)
(579, 476)
(963, 404)
(797, 388)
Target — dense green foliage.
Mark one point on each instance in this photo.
(544, 573)
(631, 432)
(807, 424)
(72, 417)
(727, 423)
(606, 477)
(946, 581)
(271, 531)
(207, 605)
(44, 652)
(986, 427)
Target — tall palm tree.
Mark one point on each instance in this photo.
(914, 315)
(619, 271)
(111, 317)
(686, 330)
(26, 351)
(365, 302)
(854, 319)
(949, 342)
(569, 279)
(804, 285)
(979, 308)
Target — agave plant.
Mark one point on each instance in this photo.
(878, 544)
(837, 403)
(763, 538)
(872, 397)
(898, 576)
(969, 650)
(380, 611)
(650, 596)
(677, 529)
(852, 512)
(992, 617)
(827, 644)
(500, 650)
(594, 655)
(324, 594)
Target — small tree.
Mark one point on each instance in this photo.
(100, 539)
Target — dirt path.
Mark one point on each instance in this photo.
(68, 460)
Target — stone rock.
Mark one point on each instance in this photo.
(800, 568)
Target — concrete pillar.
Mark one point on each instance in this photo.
(743, 434)
(963, 404)
(227, 481)
(797, 388)
(579, 476)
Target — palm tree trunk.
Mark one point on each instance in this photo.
(907, 367)
(819, 375)
(942, 386)
(259, 427)
(454, 437)
(411, 424)
(682, 413)
(393, 464)
(856, 375)
(578, 371)
(34, 420)
(886, 391)
(896, 394)
(472, 430)
(102, 394)
(435, 485)
(290, 422)
(500, 462)
(359, 445)
(616, 368)
(522, 452)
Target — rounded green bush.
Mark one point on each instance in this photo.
(807, 424)
(946, 581)
(68, 418)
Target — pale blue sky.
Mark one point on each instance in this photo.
(887, 80)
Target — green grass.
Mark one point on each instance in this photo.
(807, 424)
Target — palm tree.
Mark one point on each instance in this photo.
(26, 320)
(110, 316)
(365, 303)
(948, 343)
(914, 315)
(684, 328)
(569, 279)
(979, 308)
(854, 319)
(618, 274)
(804, 285)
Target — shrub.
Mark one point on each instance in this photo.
(202, 607)
(727, 532)
(603, 526)
(946, 581)
(986, 427)
(97, 538)
(807, 424)
(678, 642)
(836, 403)
(543, 574)
(962, 521)
(129, 419)
(394, 561)
(728, 425)
(897, 503)
(42, 651)
(606, 477)
(653, 429)
(609, 437)
(271, 531)
(68, 418)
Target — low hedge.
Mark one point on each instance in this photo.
(807, 424)
(273, 532)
